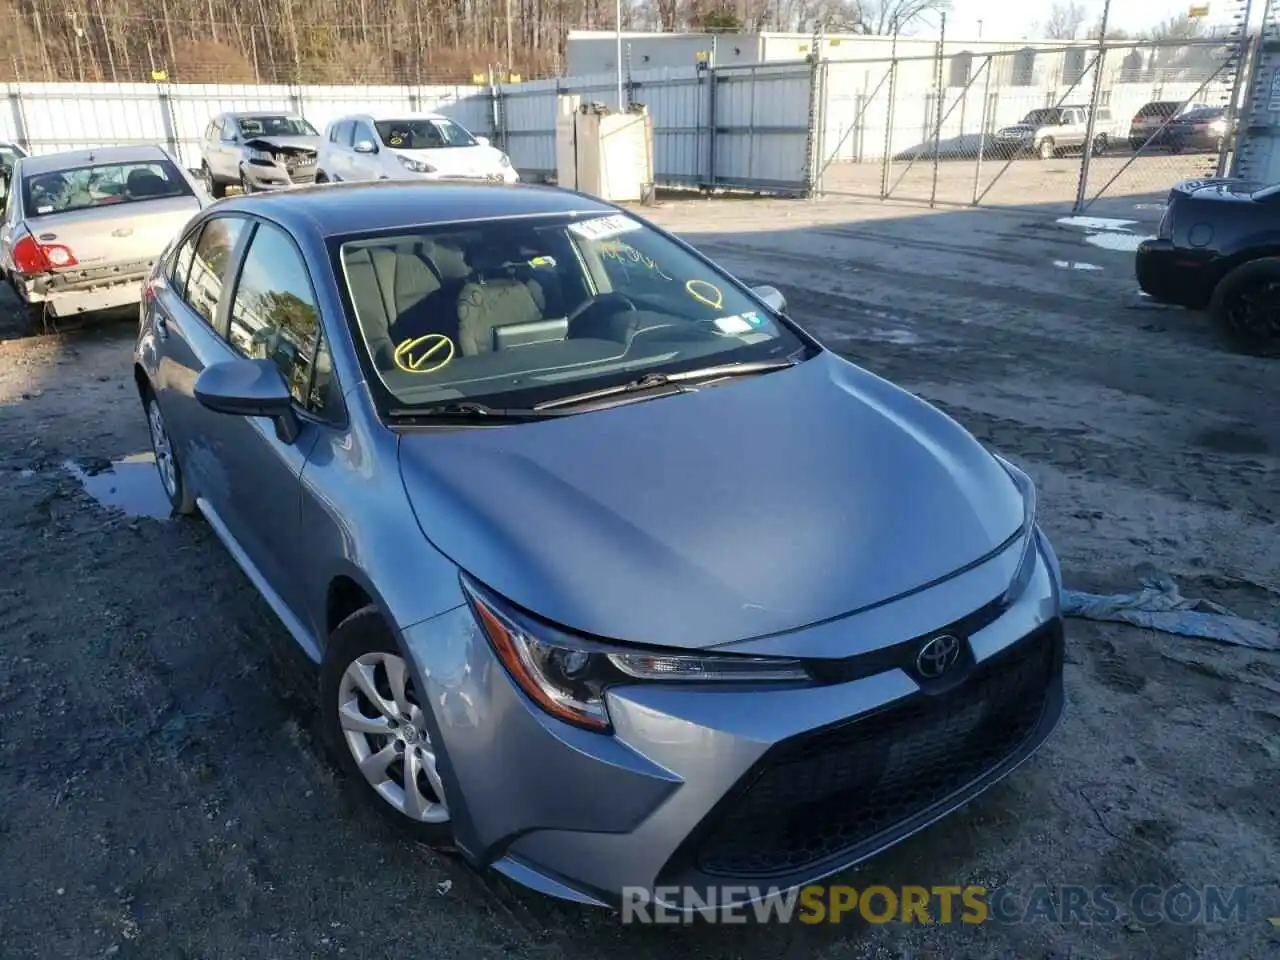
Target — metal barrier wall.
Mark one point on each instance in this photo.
(1010, 128)
(1258, 157)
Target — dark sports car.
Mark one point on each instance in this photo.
(1218, 247)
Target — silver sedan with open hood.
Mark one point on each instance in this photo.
(258, 151)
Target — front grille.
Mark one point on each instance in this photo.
(833, 792)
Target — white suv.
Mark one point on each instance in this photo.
(408, 146)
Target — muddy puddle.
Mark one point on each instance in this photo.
(130, 485)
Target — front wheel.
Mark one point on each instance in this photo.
(1246, 307)
(376, 724)
(1046, 150)
(1100, 146)
(216, 190)
(245, 186)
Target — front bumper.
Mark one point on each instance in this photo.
(757, 789)
(277, 176)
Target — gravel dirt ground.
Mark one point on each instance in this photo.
(162, 793)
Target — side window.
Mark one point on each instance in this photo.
(211, 130)
(275, 316)
(180, 265)
(211, 264)
(229, 129)
(363, 132)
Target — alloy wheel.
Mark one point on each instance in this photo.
(384, 727)
(1255, 312)
(166, 466)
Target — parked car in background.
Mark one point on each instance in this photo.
(437, 424)
(258, 151)
(83, 229)
(1218, 246)
(395, 146)
(1203, 130)
(1150, 125)
(1052, 131)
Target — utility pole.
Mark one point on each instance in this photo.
(617, 20)
(510, 60)
(1083, 187)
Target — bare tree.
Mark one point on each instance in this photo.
(1065, 19)
(1181, 27)
(880, 16)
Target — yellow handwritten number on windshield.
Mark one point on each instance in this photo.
(705, 292)
(425, 354)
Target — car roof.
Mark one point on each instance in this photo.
(332, 209)
(237, 114)
(69, 159)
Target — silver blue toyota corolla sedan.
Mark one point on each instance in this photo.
(615, 578)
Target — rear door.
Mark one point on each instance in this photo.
(185, 307)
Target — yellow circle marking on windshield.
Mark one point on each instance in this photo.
(422, 354)
(704, 291)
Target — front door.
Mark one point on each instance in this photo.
(273, 315)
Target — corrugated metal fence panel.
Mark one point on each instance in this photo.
(679, 100)
(762, 125)
(1258, 154)
(71, 116)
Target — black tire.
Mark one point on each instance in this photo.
(216, 189)
(1046, 150)
(366, 632)
(1100, 145)
(180, 496)
(321, 177)
(245, 186)
(1245, 307)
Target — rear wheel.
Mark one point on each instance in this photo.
(1246, 307)
(376, 724)
(1100, 145)
(171, 478)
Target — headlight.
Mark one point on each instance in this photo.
(417, 166)
(259, 156)
(1218, 126)
(567, 675)
(1027, 562)
(504, 161)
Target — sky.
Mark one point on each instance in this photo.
(1015, 19)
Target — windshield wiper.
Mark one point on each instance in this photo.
(651, 381)
(468, 409)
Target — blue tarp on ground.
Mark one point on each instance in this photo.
(1160, 606)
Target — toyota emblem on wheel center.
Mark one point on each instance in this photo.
(937, 656)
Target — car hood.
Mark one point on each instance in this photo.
(1018, 128)
(266, 143)
(750, 508)
(458, 161)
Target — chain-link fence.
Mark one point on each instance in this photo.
(1029, 126)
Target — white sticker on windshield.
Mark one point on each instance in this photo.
(44, 209)
(601, 228)
(734, 324)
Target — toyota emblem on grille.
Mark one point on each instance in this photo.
(937, 656)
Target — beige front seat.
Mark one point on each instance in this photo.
(391, 288)
(486, 304)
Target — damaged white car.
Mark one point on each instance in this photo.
(83, 228)
(257, 151)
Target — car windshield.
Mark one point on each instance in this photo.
(514, 312)
(423, 134)
(82, 188)
(276, 126)
(1042, 117)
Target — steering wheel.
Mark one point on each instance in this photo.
(593, 302)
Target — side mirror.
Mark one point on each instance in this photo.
(483, 141)
(366, 146)
(772, 297)
(249, 388)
